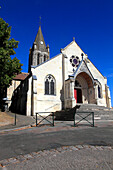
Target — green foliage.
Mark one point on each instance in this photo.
(8, 67)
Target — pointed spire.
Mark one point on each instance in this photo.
(39, 40)
(39, 52)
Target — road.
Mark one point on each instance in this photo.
(31, 140)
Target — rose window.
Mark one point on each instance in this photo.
(74, 60)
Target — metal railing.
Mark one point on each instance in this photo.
(82, 117)
(39, 114)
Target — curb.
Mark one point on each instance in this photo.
(17, 129)
(34, 125)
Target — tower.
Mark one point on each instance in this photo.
(39, 52)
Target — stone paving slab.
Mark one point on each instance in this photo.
(66, 157)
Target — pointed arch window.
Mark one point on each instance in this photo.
(99, 92)
(38, 56)
(50, 85)
(46, 86)
(44, 58)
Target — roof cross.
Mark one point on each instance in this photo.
(40, 21)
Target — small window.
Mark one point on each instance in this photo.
(99, 92)
(38, 56)
(50, 85)
(46, 86)
(44, 57)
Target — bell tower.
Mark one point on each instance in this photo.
(39, 52)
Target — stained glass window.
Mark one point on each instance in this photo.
(74, 60)
(50, 85)
(99, 93)
(46, 86)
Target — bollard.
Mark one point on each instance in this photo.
(15, 119)
(36, 119)
(53, 118)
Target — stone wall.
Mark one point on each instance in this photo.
(43, 101)
(19, 98)
(11, 89)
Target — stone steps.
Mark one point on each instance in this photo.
(100, 112)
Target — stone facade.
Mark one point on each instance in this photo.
(60, 82)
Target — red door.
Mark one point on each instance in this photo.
(75, 94)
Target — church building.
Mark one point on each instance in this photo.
(57, 83)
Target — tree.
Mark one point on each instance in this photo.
(8, 67)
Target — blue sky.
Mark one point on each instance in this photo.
(89, 21)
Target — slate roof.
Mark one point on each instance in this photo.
(39, 38)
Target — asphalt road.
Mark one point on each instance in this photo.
(27, 141)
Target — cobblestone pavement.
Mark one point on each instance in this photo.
(82, 157)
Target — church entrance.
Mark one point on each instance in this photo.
(83, 89)
(78, 92)
(78, 95)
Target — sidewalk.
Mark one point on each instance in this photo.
(21, 121)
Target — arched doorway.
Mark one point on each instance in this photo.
(78, 92)
(83, 89)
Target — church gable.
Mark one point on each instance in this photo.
(74, 55)
(83, 68)
(73, 49)
(95, 72)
